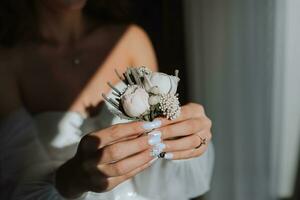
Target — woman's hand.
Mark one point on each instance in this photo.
(188, 135)
(106, 158)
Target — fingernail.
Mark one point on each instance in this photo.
(155, 152)
(154, 139)
(155, 133)
(157, 149)
(160, 146)
(152, 125)
(168, 156)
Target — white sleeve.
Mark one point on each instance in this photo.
(177, 180)
(25, 167)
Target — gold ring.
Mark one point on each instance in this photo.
(202, 142)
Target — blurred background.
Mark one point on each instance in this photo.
(241, 60)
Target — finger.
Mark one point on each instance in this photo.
(126, 165)
(185, 128)
(121, 150)
(114, 181)
(187, 142)
(188, 111)
(120, 131)
(124, 130)
(186, 154)
(126, 138)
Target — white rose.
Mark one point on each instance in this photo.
(166, 84)
(135, 101)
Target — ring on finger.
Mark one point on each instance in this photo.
(203, 141)
(167, 156)
(162, 154)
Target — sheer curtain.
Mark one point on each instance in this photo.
(286, 98)
(236, 66)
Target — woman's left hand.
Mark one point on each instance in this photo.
(188, 135)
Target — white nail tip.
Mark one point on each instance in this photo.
(154, 139)
(168, 156)
(160, 146)
(152, 125)
(157, 149)
(155, 133)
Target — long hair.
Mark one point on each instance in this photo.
(19, 20)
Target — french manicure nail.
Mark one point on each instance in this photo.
(168, 156)
(155, 133)
(157, 149)
(160, 146)
(152, 125)
(154, 139)
(155, 152)
(152, 154)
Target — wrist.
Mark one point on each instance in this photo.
(68, 180)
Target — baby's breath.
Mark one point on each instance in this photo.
(144, 71)
(169, 105)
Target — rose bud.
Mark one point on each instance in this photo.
(166, 84)
(154, 99)
(135, 101)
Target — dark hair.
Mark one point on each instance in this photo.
(19, 20)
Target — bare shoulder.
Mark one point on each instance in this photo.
(139, 47)
(136, 32)
(9, 92)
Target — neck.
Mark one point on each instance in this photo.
(61, 27)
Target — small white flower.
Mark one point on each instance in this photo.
(169, 105)
(154, 90)
(166, 84)
(154, 99)
(135, 101)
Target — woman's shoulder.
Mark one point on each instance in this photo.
(125, 33)
(135, 30)
(137, 44)
(128, 42)
(136, 36)
(123, 29)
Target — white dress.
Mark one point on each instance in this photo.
(33, 147)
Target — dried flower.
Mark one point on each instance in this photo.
(165, 83)
(147, 95)
(135, 101)
(154, 99)
(169, 105)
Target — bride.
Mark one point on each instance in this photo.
(57, 139)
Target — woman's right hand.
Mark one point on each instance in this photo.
(106, 158)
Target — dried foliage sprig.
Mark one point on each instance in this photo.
(147, 95)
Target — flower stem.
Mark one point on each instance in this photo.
(112, 102)
(115, 89)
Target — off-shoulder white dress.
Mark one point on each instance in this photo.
(32, 147)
